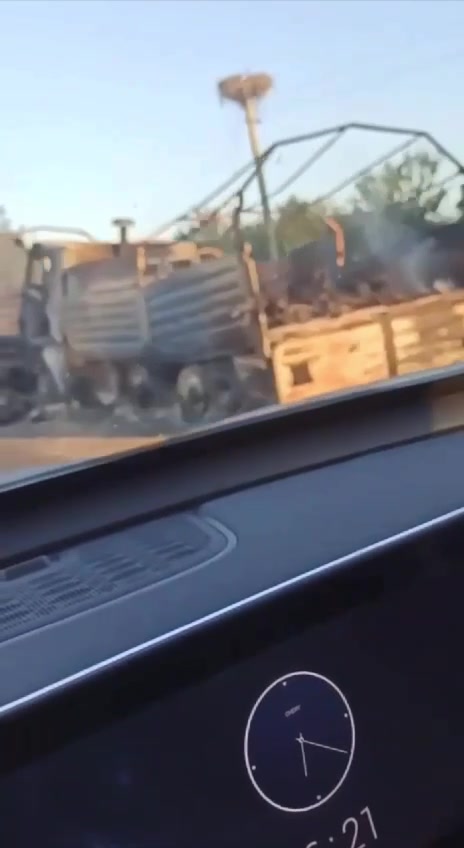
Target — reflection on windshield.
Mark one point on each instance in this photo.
(334, 259)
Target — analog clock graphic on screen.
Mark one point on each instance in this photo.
(299, 742)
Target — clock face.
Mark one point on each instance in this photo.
(299, 742)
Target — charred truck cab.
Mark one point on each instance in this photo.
(18, 361)
(170, 332)
(144, 325)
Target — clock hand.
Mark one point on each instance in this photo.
(303, 741)
(300, 740)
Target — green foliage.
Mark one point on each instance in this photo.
(208, 235)
(255, 234)
(298, 222)
(399, 193)
(407, 192)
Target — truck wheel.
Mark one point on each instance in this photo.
(142, 389)
(98, 390)
(13, 407)
(193, 394)
(209, 392)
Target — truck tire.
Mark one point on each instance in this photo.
(209, 392)
(13, 407)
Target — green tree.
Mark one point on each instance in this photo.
(297, 222)
(408, 191)
(206, 229)
(256, 235)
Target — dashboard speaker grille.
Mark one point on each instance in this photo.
(48, 589)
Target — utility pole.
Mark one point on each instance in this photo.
(246, 91)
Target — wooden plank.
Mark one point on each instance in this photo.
(427, 304)
(442, 320)
(430, 338)
(440, 360)
(330, 354)
(424, 309)
(318, 326)
(329, 362)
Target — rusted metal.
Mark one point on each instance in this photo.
(101, 311)
(201, 313)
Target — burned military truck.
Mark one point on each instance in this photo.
(159, 335)
(131, 327)
(32, 361)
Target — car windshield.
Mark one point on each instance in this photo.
(209, 209)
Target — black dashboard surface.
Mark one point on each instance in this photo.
(97, 561)
(305, 586)
(62, 614)
(78, 503)
(324, 714)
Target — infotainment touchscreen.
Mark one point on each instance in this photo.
(328, 716)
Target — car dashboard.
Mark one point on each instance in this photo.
(266, 654)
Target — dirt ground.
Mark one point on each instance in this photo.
(16, 454)
(62, 440)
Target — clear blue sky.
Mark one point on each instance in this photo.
(109, 107)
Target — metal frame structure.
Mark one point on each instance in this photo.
(335, 134)
(329, 137)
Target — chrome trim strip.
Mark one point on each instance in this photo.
(376, 547)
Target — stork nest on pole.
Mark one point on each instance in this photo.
(243, 87)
